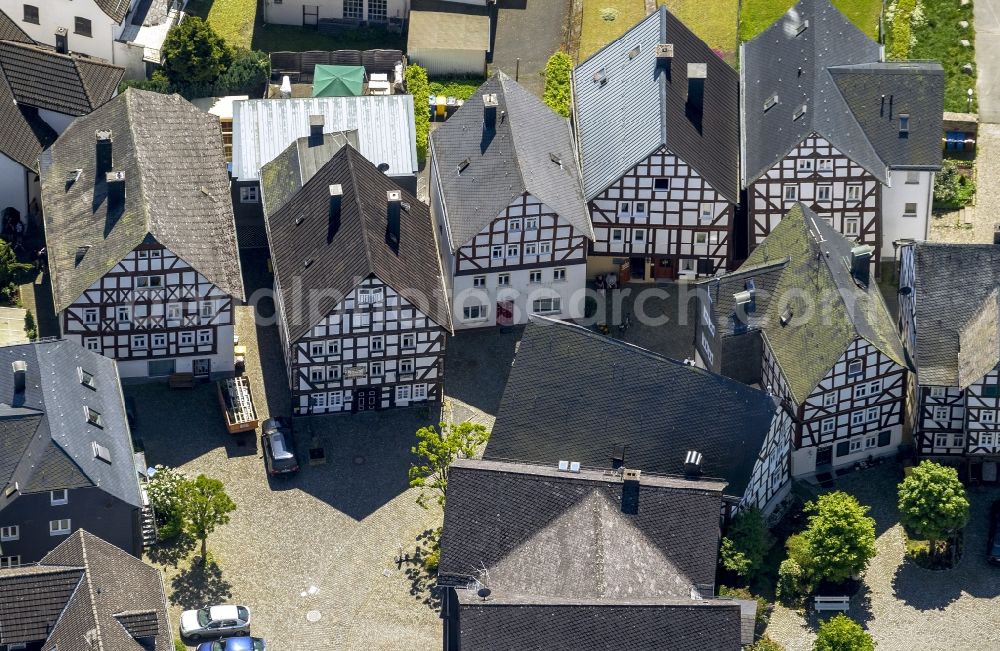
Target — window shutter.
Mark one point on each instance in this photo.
(884, 438)
(843, 448)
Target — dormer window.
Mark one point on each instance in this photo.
(93, 417)
(770, 102)
(86, 378)
(904, 125)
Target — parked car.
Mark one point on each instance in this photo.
(215, 621)
(242, 643)
(993, 542)
(279, 447)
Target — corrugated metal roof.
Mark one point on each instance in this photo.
(263, 128)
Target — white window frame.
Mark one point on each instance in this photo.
(204, 337)
(406, 366)
(986, 439)
(514, 225)
(146, 282)
(91, 315)
(910, 209)
(941, 412)
(790, 192)
(854, 192)
(825, 165)
(249, 194)
(860, 391)
(93, 344)
(824, 192)
(9, 533)
(58, 501)
(8, 562)
(706, 212)
(316, 349)
(639, 208)
(872, 414)
(139, 342)
(941, 440)
(317, 374)
(871, 441)
(207, 309)
(638, 235)
(496, 252)
(938, 392)
(830, 398)
(855, 445)
(852, 226)
(335, 399)
(503, 280)
(175, 312)
(531, 223)
(123, 311)
(988, 416)
(56, 528)
(535, 276)
(317, 400)
(159, 340)
(559, 274)
(828, 426)
(186, 338)
(804, 165)
(546, 305)
(617, 234)
(333, 372)
(958, 440)
(477, 312)
(530, 249)
(376, 344)
(625, 209)
(376, 369)
(479, 281)
(544, 248)
(858, 417)
(409, 340)
(420, 391)
(874, 387)
(858, 364)
(513, 250)
(333, 347)
(403, 392)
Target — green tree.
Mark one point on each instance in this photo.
(206, 506)
(840, 633)
(745, 544)
(557, 74)
(840, 537)
(932, 502)
(194, 54)
(765, 644)
(436, 449)
(952, 189)
(12, 272)
(248, 74)
(419, 87)
(791, 583)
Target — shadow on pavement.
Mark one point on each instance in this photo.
(171, 552)
(198, 585)
(423, 583)
(477, 364)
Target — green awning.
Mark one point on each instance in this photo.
(338, 81)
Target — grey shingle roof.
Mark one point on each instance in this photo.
(67, 84)
(797, 62)
(177, 192)
(953, 285)
(358, 249)
(516, 158)
(32, 598)
(577, 395)
(288, 172)
(979, 343)
(10, 31)
(116, 10)
(48, 444)
(640, 108)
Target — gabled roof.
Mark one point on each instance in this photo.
(116, 10)
(176, 193)
(954, 290)
(578, 395)
(308, 255)
(627, 107)
(263, 128)
(11, 31)
(46, 442)
(288, 172)
(815, 57)
(64, 83)
(481, 170)
(85, 593)
(815, 282)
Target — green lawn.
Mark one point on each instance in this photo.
(758, 15)
(596, 32)
(938, 39)
(459, 87)
(713, 21)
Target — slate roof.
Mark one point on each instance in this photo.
(514, 159)
(804, 264)
(116, 10)
(85, 593)
(263, 128)
(46, 442)
(640, 107)
(11, 31)
(577, 395)
(835, 71)
(358, 248)
(288, 172)
(68, 84)
(177, 193)
(954, 288)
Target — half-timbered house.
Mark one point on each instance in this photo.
(949, 318)
(505, 194)
(656, 117)
(605, 403)
(826, 122)
(361, 303)
(804, 319)
(140, 236)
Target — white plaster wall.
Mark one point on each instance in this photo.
(13, 190)
(222, 362)
(53, 14)
(804, 459)
(289, 12)
(895, 196)
(521, 292)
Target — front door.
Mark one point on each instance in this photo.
(366, 399)
(310, 15)
(664, 268)
(201, 367)
(625, 272)
(824, 456)
(505, 313)
(638, 266)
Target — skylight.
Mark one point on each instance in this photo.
(101, 452)
(93, 417)
(86, 378)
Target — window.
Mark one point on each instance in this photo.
(829, 426)
(377, 344)
(544, 248)
(90, 315)
(661, 184)
(843, 448)
(403, 392)
(855, 367)
(474, 312)
(496, 252)
(987, 416)
(375, 369)
(514, 225)
(640, 208)
(824, 192)
(986, 439)
(419, 391)
(93, 343)
(333, 347)
(174, 312)
(503, 280)
(639, 236)
(207, 309)
(531, 223)
(204, 337)
(479, 281)
(187, 338)
(59, 497)
(155, 253)
(559, 273)
(791, 193)
(409, 341)
(87, 378)
(858, 418)
(829, 399)
(12, 532)
(370, 296)
(139, 342)
(143, 254)
(513, 250)
(825, 164)
(59, 527)
(11, 561)
(874, 387)
(354, 9)
(93, 417)
(870, 441)
(546, 305)
(336, 399)
(855, 445)
(860, 391)
(940, 440)
(159, 340)
(937, 392)
(852, 226)
(872, 414)
(706, 212)
(317, 374)
(318, 400)
(332, 372)
(405, 366)
(617, 235)
(805, 165)
(248, 194)
(701, 238)
(912, 176)
(31, 14)
(854, 192)
(942, 413)
(124, 314)
(535, 277)
(909, 210)
(531, 248)
(904, 125)
(81, 26)
(884, 438)
(316, 348)
(687, 264)
(958, 440)
(991, 390)
(149, 282)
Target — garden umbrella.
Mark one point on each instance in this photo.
(338, 81)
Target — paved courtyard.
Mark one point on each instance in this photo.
(905, 607)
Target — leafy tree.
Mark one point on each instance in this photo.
(765, 644)
(840, 633)
(557, 74)
(791, 581)
(952, 189)
(12, 272)
(164, 489)
(419, 87)
(193, 53)
(30, 327)
(932, 502)
(157, 83)
(745, 544)
(205, 506)
(763, 612)
(248, 74)
(840, 537)
(437, 450)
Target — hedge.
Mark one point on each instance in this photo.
(902, 30)
(557, 83)
(419, 87)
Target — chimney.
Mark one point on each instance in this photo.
(62, 41)
(105, 159)
(315, 129)
(861, 257)
(393, 200)
(697, 73)
(490, 104)
(116, 192)
(630, 491)
(996, 234)
(336, 194)
(20, 368)
(692, 465)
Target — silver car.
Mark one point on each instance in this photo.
(214, 621)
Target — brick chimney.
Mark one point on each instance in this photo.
(490, 104)
(105, 160)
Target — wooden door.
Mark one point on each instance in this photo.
(824, 456)
(366, 399)
(664, 268)
(625, 272)
(505, 313)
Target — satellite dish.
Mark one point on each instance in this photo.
(484, 592)
(383, 167)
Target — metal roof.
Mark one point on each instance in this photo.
(263, 128)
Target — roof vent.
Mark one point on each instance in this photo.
(20, 368)
(11, 489)
(664, 50)
(463, 165)
(799, 112)
(904, 125)
(307, 263)
(743, 300)
(803, 26)
(72, 177)
(555, 159)
(692, 464)
(770, 102)
(299, 220)
(786, 316)
(600, 77)
(115, 177)
(634, 52)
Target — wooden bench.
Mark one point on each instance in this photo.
(181, 381)
(840, 604)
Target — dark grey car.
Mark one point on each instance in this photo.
(279, 447)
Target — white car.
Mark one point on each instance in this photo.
(213, 621)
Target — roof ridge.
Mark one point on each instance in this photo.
(90, 589)
(361, 208)
(130, 94)
(516, 159)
